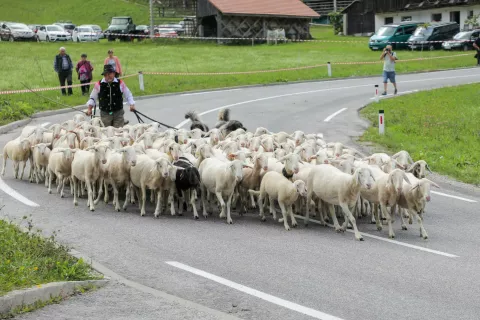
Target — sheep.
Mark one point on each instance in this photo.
(187, 181)
(97, 122)
(385, 192)
(220, 178)
(251, 176)
(299, 137)
(60, 166)
(335, 187)
(18, 150)
(288, 165)
(69, 140)
(279, 188)
(40, 155)
(149, 173)
(414, 198)
(86, 168)
(418, 169)
(78, 118)
(118, 173)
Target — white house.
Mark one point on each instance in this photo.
(444, 14)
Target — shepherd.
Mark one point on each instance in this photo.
(110, 91)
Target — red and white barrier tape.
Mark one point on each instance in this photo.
(288, 40)
(236, 72)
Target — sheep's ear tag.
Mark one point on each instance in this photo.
(231, 156)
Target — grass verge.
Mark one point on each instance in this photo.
(32, 63)
(28, 259)
(440, 126)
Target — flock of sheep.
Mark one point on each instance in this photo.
(301, 172)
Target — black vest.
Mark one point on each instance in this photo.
(59, 62)
(110, 97)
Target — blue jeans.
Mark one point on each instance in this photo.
(388, 75)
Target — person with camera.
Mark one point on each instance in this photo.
(389, 58)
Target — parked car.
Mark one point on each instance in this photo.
(178, 28)
(96, 29)
(67, 26)
(119, 26)
(53, 32)
(392, 33)
(462, 41)
(84, 34)
(436, 31)
(14, 31)
(34, 27)
(142, 30)
(165, 33)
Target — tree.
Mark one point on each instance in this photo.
(336, 20)
(473, 21)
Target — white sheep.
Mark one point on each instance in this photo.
(86, 168)
(220, 178)
(40, 155)
(18, 150)
(60, 166)
(277, 187)
(335, 187)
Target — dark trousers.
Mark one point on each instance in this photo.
(85, 88)
(65, 75)
(478, 57)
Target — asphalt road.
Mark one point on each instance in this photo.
(255, 270)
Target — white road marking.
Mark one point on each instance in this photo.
(398, 94)
(445, 254)
(207, 92)
(265, 296)
(45, 124)
(330, 117)
(450, 196)
(5, 188)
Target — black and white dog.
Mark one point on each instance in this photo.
(225, 124)
(197, 123)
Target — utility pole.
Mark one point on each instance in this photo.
(151, 19)
(334, 5)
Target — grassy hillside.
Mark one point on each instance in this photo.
(78, 11)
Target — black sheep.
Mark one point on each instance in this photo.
(187, 181)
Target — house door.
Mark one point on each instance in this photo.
(455, 16)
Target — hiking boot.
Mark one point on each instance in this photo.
(384, 93)
(395, 91)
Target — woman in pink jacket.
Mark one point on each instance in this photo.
(113, 60)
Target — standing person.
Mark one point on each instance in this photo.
(109, 92)
(389, 58)
(115, 62)
(84, 70)
(63, 66)
(476, 45)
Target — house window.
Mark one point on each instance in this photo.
(407, 18)
(436, 17)
(388, 20)
(470, 14)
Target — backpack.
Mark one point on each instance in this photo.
(83, 72)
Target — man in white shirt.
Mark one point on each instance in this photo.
(389, 58)
(110, 92)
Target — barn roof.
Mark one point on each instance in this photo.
(293, 8)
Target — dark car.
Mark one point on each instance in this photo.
(142, 30)
(67, 26)
(432, 35)
(462, 41)
(13, 31)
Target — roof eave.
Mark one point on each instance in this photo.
(268, 15)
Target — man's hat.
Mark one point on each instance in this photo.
(107, 69)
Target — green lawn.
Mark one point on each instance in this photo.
(27, 259)
(440, 126)
(32, 63)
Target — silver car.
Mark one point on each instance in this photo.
(18, 31)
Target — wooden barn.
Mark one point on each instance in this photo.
(252, 19)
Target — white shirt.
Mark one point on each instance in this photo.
(389, 65)
(123, 87)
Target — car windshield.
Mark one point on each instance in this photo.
(96, 28)
(386, 31)
(462, 35)
(117, 21)
(421, 31)
(85, 30)
(18, 26)
(54, 28)
(69, 26)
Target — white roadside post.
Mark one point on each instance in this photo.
(140, 80)
(381, 122)
(376, 94)
(329, 69)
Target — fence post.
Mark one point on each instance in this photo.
(376, 94)
(253, 40)
(140, 80)
(329, 69)
(381, 122)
